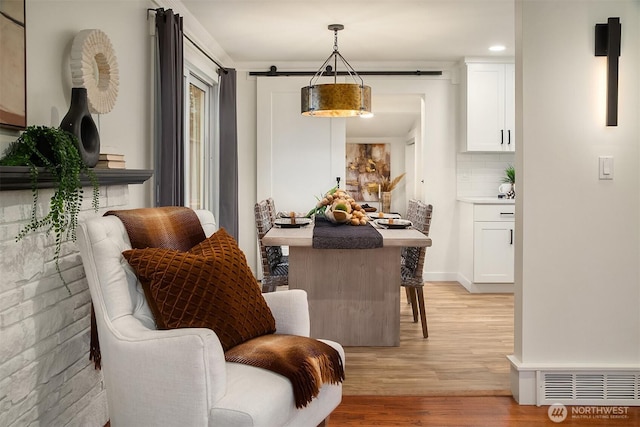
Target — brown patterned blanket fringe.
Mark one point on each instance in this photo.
(170, 227)
(306, 362)
(94, 345)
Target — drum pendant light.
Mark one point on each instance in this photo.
(336, 99)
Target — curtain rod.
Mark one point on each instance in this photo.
(273, 72)
(222, 68)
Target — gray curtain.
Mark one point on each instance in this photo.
(228, 153)
(169, 115)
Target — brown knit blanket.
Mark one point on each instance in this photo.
(170, 227)
(306, 362)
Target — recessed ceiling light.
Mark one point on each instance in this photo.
(497, 48)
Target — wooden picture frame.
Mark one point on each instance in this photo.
(13, 67)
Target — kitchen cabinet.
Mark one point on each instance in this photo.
(487, 246)
(493, 249)
(489, 107)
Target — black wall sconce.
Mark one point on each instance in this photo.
(608, 44)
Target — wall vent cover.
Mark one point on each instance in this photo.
(589, 388)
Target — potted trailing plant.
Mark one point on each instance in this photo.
(55, 151)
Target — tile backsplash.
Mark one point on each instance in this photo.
(480, 174)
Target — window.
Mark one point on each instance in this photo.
(200, 142)
(195, 146)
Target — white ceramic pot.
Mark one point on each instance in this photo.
(504, 188)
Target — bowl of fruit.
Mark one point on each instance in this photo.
(340, 208)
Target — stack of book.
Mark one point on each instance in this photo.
(111, 161)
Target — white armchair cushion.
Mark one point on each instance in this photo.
(291, 311)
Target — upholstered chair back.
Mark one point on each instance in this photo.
(122, 295)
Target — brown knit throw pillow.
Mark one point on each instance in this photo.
(211, 286)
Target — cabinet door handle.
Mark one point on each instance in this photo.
(507, 213)
(509, 137)
(501, 136)
(511, 238)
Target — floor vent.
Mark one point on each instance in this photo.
(589, 388)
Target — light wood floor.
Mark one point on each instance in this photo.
(470, 336)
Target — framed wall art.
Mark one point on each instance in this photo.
(367, 165)
(13, 66)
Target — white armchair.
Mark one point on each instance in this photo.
(180, 377)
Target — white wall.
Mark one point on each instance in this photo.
(577, 280)
(51, 27)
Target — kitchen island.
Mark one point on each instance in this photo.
(353, 294)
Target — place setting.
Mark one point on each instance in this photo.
(291, 220)
(389, 220)
(393, 223)
(383, 215)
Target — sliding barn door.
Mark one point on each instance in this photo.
(298, 157)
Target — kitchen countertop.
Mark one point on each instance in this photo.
(487, 200)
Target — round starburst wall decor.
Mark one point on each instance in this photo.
(94, 66)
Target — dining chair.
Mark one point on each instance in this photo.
(412, 207)
(412, 263)
(275, 265)
(412, 210)
(272, 209)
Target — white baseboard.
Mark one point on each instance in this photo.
(484, 288)
(574, 383)
(440, 276)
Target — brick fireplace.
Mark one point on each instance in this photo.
(46, 377)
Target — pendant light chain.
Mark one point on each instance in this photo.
(335, 55)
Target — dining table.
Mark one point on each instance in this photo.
(353, 293)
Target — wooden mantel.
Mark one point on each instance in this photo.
(18, 177)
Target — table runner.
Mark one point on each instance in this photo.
(327, 235)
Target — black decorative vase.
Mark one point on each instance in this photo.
(79, 122)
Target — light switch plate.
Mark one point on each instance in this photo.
(605, 167)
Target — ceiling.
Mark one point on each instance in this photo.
(379, 34)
